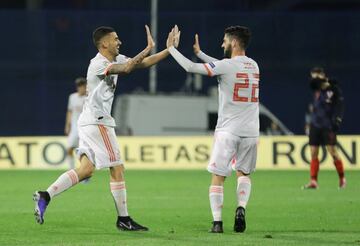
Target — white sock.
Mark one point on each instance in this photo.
(64, 182)
(118, 190)
(243, 190)
(216, 196)
(71, 161)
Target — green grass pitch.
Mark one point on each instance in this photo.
(174, 205)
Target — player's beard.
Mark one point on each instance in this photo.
(116, 51)
(227, 51)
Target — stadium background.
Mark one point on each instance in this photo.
(46, 44)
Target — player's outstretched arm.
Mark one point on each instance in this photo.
(209, 69)
(201, 55)
(135, 61)
(188, 65)
(155, 58)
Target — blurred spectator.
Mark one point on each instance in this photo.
(75, 106)
(326, 118)
(317, 75)
(308, 113)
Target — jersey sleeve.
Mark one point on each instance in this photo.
(205, 58)
(101, 67)
(217, 67)
(121, 59)
(210, 69)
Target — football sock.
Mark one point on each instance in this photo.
(339, 168)
(64, 182)
(243, 190)
(314, 169)
(118, 191)
(216, 196)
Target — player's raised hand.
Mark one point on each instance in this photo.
(177, 33)
(196, 45)
(170, 39)
(150, 41)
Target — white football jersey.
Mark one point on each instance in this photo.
(75, 105)
(100, 92)
(238, 87)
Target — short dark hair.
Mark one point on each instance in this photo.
(317, 70)
(100, 32)
(240, 33)
(80, 81)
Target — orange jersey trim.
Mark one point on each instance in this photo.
(208, 70)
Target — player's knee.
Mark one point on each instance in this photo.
(334, 154)
(86, 168)
(117, 173)
(241, 173)
(314, 153)
(332, 151)
(85, 172)
(217, 179)
(89, 171)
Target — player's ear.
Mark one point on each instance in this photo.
(104, 42)
(234, 43)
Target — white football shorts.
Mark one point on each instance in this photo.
(99, 144)
(232, 152)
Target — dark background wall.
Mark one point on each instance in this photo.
(47, 44)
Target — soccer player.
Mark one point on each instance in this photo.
(98, 144)
(237, 129)
(74, 109)
(317, 74)
(326, 118)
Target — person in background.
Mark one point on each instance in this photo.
(75, 105)
(326, 118)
